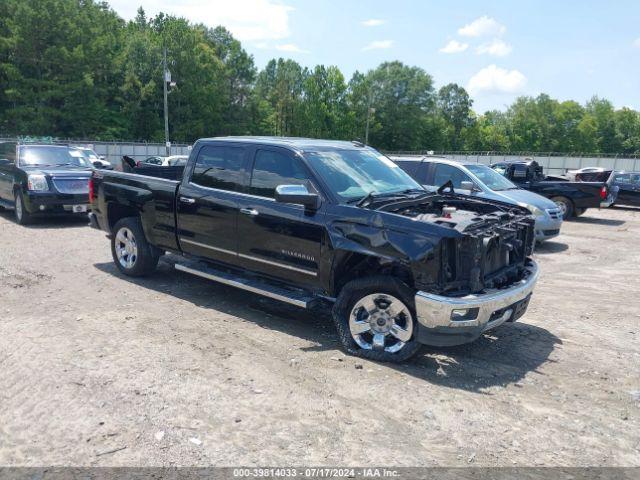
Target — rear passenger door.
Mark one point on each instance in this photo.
(416, 169)
(208, 202)
(278, 239)
(442, 173)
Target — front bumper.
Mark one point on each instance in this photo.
(53, 202)
(488, 310)
(547, 227)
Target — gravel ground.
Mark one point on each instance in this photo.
(99, 369)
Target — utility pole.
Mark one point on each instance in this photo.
(166, 77)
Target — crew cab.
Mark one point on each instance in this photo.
(573, 198)
(43, 179)
(480, 181)
(306, 221)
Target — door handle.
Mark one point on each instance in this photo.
(188, 200)
(249, 211)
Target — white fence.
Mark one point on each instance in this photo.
(552, 164)
(114, 151)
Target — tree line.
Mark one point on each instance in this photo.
(75, 69)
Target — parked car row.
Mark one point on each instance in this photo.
(409, 251)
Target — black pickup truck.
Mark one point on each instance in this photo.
(43, 179)
(573, 198)
(308, 221)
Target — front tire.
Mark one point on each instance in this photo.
(22, 216)
(131, 252)
(565, 205)
(375, 318)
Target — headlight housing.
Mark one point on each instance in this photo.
(37, 183)
(535, 211)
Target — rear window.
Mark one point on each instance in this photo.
(219, 167)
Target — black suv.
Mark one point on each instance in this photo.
(43, 179)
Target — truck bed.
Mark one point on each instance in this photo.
(146, 189)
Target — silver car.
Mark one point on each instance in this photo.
(481, 181)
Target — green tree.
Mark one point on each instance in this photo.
(325, 105)
(454, 105)
(404, 102)
(281, 84)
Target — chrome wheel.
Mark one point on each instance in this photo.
(126, 248)
(380, 322)
(19, 207)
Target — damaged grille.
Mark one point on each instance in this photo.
(488, 247)
(488, 258)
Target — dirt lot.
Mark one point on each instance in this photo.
(97, 369)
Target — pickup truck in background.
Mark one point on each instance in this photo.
(309, 221)
(573, 198)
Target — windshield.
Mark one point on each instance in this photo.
(353, 174)
(491, 178)
(52, 156)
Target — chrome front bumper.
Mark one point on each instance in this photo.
(435, 312)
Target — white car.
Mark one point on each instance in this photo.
(571, 174)
(94, 158)
(175, 161)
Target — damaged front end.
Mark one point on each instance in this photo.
(485, 277)
(488, 249)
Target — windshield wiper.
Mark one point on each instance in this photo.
(369, 197)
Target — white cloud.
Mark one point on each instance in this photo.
(248, 20)
(373, 22)
(483, 26)
(494, 79)
(454, 46)
(261, 45)
(291, 48)
(378, 45)
(497, 48)
(636, 42)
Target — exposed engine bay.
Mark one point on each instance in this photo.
(492, 250)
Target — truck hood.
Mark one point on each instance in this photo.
(520, 196)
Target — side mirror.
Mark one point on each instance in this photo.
(97, 165)
(297, 194)
(102, 157)
(467, 185)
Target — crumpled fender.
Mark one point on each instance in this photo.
(402, 247)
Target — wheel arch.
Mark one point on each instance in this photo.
(350, 266)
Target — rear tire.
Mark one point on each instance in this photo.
(20, 212)
(131, 252)
(579, 211)
(565, 205)
(384, 332)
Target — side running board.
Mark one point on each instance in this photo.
(300, 299)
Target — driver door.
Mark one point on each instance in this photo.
(278, 239)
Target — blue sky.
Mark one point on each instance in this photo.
(496, 49)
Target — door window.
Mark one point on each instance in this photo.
(219, 167)
(271, 169)
(445, 172)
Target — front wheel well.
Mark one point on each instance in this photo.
(351, 266)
